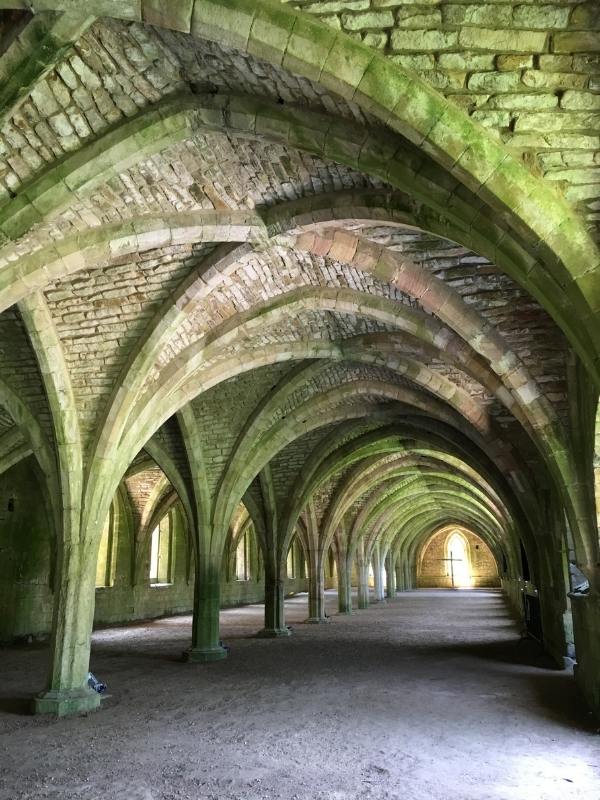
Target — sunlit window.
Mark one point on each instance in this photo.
(291, 562)
(458, 562)
(242, 571)
(161, 552)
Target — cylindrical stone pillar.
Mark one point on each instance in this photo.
(274, 602)
(316, 589)
(390, 577)
(344, 586)
(363, 585)
(206, 644)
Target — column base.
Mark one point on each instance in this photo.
(317, 620)
(346, 612)
(202, 655)
(66, 703)
(273, 633)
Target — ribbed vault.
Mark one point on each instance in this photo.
(254, 269)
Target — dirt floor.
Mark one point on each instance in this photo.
(431, 696)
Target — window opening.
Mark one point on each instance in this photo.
(161, 552)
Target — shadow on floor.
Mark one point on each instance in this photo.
(522, 651)
(15, 705)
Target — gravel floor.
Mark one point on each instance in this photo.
(431, 696)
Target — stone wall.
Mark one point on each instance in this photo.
(27, 555)
(530, 71)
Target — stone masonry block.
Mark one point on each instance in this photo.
(422, 40)
(509, 41)
(370, 20)
(580, 42)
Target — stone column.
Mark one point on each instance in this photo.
(408, 584)
(206, 644)
(274, 600)
(586, 624)
(68, 692)
(363, 583)
(344, 585)
(378, 575)
(390, 574)
(399, 576)
(316, 588)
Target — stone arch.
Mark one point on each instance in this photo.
(404, 102)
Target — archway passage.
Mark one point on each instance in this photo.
(285, 290)
(458, 559)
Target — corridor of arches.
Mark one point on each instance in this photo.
(297, 296)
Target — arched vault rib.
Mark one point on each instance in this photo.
(491, 346)
(329, 459)
(304, 418)
(367, 477)
(449, 217)
(50, 36)
(244, 324)
(290, 38)
(390, 514)
(505, 362)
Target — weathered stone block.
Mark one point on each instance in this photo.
(536, 79)
(534, 102)
(510, 41)
(370, 20)
(471, 62)
(541, 16)
(307, 47)
(229, 24)
(583, 175)
(422, 40)
(512, 62)
(417, 62)
(554, 63)
(587, 63)
(586, 16)
(418, 18)
(550, 122)
(580, 101)
(494, 81)
(493, 15)
(557, 141)
(579, 42)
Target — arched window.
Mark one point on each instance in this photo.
(105, 565)
(331, 564)
(161, 552)
(292, 560)
(242, 558)
(458, 563)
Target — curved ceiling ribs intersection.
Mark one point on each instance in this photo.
(270, 263)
